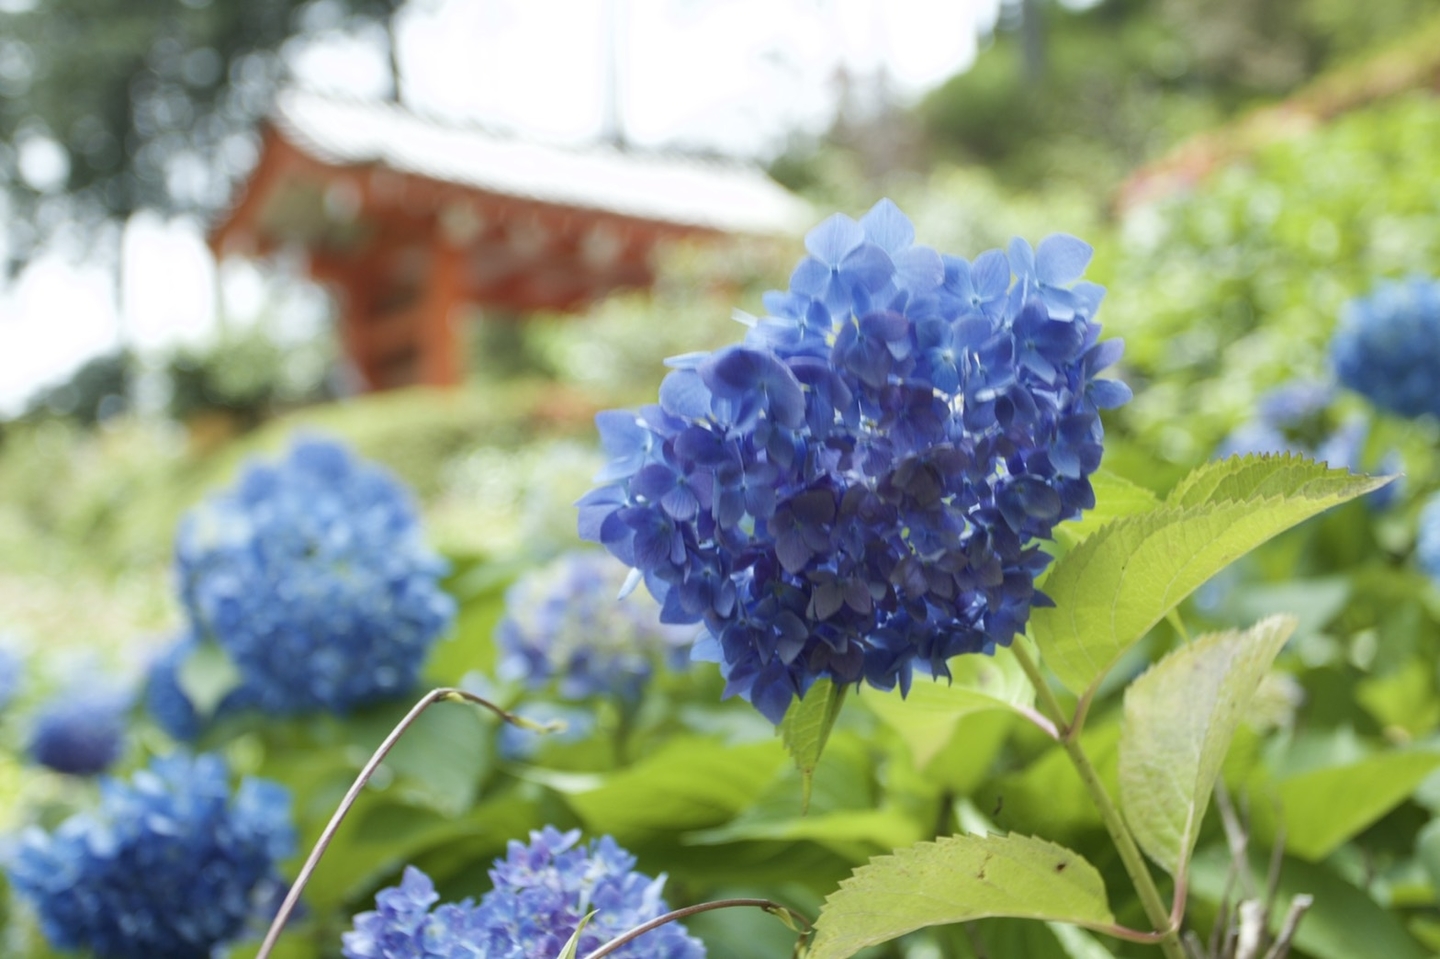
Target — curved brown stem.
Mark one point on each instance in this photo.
(774, 908)
(444, 694)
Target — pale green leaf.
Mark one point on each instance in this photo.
(875, 829)
(689, 783)
(958, 879)
(806, 728)
(1323, 808)
(1179, 719)
(925, 719)
(1115, 496)
(1110, 590)
(572, 947)
(206, 675)
(1077, 943)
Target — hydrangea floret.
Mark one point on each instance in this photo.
(1427, 540)
(313, 576)
(542, 891)
(170, 865)
(562, 623)
(1387, 346)
(80, 731)
(858, 488)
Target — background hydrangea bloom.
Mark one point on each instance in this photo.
(1387, 346)
(170, 865)
(562, 621)
(313, 576)
(1427, 540)
(857, 488)
(542, 891)
(80, 731)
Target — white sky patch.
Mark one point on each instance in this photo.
(53, 319)
(167, 283)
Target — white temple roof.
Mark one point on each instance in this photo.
(726, 197)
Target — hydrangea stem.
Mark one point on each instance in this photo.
(444, 694)
(787, 915)
(1166, 924)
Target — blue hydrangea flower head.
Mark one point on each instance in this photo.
(857, 490)
(80, 731)
(1387, 346)
(542, 890)
(564, 622)
(1427, 540)
(312, 574)
(171, 864)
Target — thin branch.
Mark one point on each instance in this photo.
(429, 699)
(1298, 907)
(774, 908)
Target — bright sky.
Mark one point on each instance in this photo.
(732, 75)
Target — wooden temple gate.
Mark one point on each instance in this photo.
(409, 222)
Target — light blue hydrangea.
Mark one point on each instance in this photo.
(542, 891)
(860, 487)
(564, 622)
(1427, 539)
(312, 574)
(170, 865)
(80, 731)
(1387, 347)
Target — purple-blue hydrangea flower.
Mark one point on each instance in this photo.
(312, 575)
(562, 622)
(542, 890)
(171, 864)
(857, 489)
(1387, 346)
(80, 731)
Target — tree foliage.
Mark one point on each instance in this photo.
(111, 106)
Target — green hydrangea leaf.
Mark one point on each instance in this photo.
(1115, 497)
(1113, 587)
(691, 782)
(926, 718)
(806, 729)
(206, 676)
(1179, 719)
(1322, 808)
(958, 879)
(572, 948)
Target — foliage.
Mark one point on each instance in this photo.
(1267, 253)
(247, 375)
(1085, 95)
(144, 105)
(100, 389)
